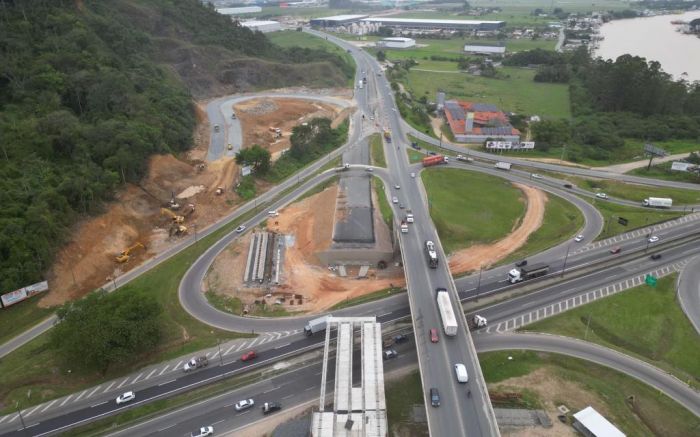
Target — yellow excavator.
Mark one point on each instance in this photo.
(126, 254)
(174, 217)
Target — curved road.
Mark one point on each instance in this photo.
(689, 291)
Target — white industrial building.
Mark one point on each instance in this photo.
(424, 24)
(591, 424)
(480, 49)
(359, 405)
(240, 11)
(262, 26)
(397, 43)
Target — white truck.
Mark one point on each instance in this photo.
(477, 322)
(503, 165)
(360, 84)
(409, 216)
(447, 314)
(316, 325)
(657, 202)
(404, 227)
(465, 158)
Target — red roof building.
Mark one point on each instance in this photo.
(475, 122)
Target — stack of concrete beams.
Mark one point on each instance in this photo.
(261, 256)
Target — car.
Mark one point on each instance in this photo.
(244, 404)
(616, 249)
(655, 256)
(461, 373)
(434, 397)
(434, 337)
(413, 175)
(126, 397)
(273, 213)
(216, 128)
(401, 206)
(397, 187)
(390, 353)
(568, 186)
(203, 432)
(369, 169)
(521, 263)
(537, 176)
(250, 355)
(270, 407)
(601, 195)
(432, 153)
(401, 338)
(371, 117)
(240, 229)
(579, 238)
(394, 199)
(653, 239)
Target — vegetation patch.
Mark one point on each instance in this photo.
(377, 148)
(663, 171)
(384, 206)
(636, 192)
(380, 294)
(401, 396)
(636, 217)
(470, 207)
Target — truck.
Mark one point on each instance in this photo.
(404, 227)
(527, 272)
(360, 84)
(503, 165)
(447, 314)
(409, 216)
(465, 158)
(435, 160)
(196, 363)
(431, 254)
(316, 325)
(387, 135)
(657, 202)
(476, 322)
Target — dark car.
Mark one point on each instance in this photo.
(568, 186)
(434, 397)
(521, 263)
(432, 153)
(271, 407)
(401, 338)
(656, 256)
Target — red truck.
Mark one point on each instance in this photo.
(435, 160)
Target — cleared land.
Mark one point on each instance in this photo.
(644, 321)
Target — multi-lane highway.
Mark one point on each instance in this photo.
(689, 291)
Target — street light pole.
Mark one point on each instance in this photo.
(478, 284)
(21, 419)
(565, 259)
(221, 359)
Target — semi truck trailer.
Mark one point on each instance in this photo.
(527, 272)
(503, 165)
(657, 202)
(316, 325)
(435, 160)
(447, 314)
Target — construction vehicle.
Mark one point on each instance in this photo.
(172, 203)
(176, 229)
(189, 209)
(174, 217)
(277, 131)
(219, 191)
(126, 254)
(387, 135)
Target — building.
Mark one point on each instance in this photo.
(397, 43)
(262, 26)
(425, 24)
(240, 11)
(591, 424)
(336, 20)
(480, 49)
(359, 404)
(477, 122)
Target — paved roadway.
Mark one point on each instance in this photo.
(689, 291)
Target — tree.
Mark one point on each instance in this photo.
(381, 56)
(104, 330)
(256, 156)
(550, 133)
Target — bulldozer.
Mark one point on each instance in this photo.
(176, 229)
(172, 203)
(189, 209)
(174, 217)
(126, 254)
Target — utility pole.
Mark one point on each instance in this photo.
(478, 284)
(565, 259)
(221, 358)
(563, 150)
(21, 419)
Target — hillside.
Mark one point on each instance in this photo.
(90, 89)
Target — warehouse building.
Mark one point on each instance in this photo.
(336, 20)
(397, 43)
(480, 49)
(427, 24)
(262, 26)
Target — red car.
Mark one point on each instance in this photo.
(250, 355)
(434, 335)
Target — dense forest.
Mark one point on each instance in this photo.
(629, 97)
(90, 89)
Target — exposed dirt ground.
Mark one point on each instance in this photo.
(88, 260)
(471, 258)
(549, 387)
(310, 225)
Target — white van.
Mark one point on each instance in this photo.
(461, 372)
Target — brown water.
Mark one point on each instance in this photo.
(654, 38)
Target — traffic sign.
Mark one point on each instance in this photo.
(650, 280)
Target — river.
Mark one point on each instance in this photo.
(654, 38)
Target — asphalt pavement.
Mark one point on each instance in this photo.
(689, 291)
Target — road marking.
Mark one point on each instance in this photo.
(123, 382)
(310, 388)
(13, 418)
(287, 397)
(49, 406)
(167, 427)
(33, 424)
(110, 386)
(241, 346)
(152, 372)
(4, 418)
(271, 390)
(97, 405)
(137, 378)
(79, 396)
(177, 366)
(164, 369)
(66, 400)
(31, 412)
(229, 349)
(385, 314)
(166, 382)
(93, 392)
(255, 340)
(245, 412)
(218, 422)
(283, 345)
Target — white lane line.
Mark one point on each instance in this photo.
(167, 427)
(164, 369)
(79, 396)
(310, 388)
(13, 418)
(31, 412)
(218, 422)
(384, 315)
(97, 405)
(287, 397)
(66, 400)
(4, 418)
(137, 378)
(93, 392)
(110, 386)
(123, 382)
(271, 390)
(49, 406)
(255, 340)
(229, 349)
(241, 346)
(177, 366)
(149, 375)
(166, 382)
(283, 345)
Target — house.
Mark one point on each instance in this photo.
(477, 122)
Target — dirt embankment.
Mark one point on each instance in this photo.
(473, 257)
(309, 225)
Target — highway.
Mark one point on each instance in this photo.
(689, 291)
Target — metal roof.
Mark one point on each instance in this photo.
(597, 424)
(341, 17)
(429, 21)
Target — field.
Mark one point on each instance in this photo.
(663, 171)
(637, 217)
(453, 198)
(644, 321)
(517, 93)
(377, 149)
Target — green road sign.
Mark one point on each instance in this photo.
(650, 280)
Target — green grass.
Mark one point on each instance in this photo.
(651, 413)
(227, 304)
(384, 206)
(469, 207)
(644, 321)
(377, 147)
(427, 146)
(663, 171)
(21, 316)
(637, 217)
(517, 93)
(561, 221)
(401, 396)
(275, 11)
(635, 192)
(318, 188)
(414, 156)
(381, 294)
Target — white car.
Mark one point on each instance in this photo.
(397, 186)
(244, 404)
(461, 373)
(126, 397)
(413, 175)
(240, 229)
(204, 431)
(653, 239)
(273, 213)
(579, 238)
(537, 176)
(394, 200)
(601, 195)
